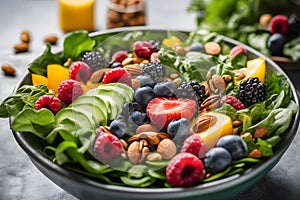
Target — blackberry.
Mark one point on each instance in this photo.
(95, 60)
(192, 90)
(251, 91)
(155, 44)
(155, 70)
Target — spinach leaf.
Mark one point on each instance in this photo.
(39, 122)
(76, 44)
(39, 65)
(25, 96)
(292, 49)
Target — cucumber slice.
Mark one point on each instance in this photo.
(81, 119)
(96, 112)
(96, 101)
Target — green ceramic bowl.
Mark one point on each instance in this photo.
(86, 188)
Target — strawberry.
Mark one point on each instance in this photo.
(117, 74)
(161, 110)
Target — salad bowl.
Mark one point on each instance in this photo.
(83, 186)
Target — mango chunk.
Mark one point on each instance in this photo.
(56, 74)
(171, 41)
(211, 126)
(39, 79)
(256, 68)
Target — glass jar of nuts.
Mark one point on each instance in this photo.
(123, 13)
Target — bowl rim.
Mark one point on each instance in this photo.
(202, 189)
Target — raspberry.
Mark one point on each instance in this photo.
(107, 147)
(119, 56)
(80, 71)
(69, 90)
(185, 170)
(117, 75)
(194, 145)
(143, 49)
(48, 101)
(233, 101)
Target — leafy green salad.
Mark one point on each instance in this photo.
(153, 108)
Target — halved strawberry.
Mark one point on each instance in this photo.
(117, 75)
(161, 110)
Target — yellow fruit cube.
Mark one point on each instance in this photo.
(56, 74)
(39, 79)
(171, 41)
(256, 68)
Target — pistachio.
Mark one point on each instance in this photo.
(167, 149)
(226, 78)
(239, 74)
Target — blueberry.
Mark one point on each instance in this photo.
(145, 81)
(118, 127)
(275, 44)
(138, 117)
(114, 64)
(179, 129)
(217, 159)
(236, 146)
(165, 89)
(143, 95)
(197, 47)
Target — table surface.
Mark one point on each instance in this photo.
(20, 179)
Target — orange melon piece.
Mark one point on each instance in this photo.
(56, 74)
(256, 68)
(39, 79)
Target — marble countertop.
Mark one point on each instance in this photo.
(20, 179)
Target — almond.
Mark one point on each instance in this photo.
(8, 69)
(167, 149)
(212, 48)
(21, 47)
(218, 82)
(52, 39)
(260, 132)
(25, 36)
(255, 153)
